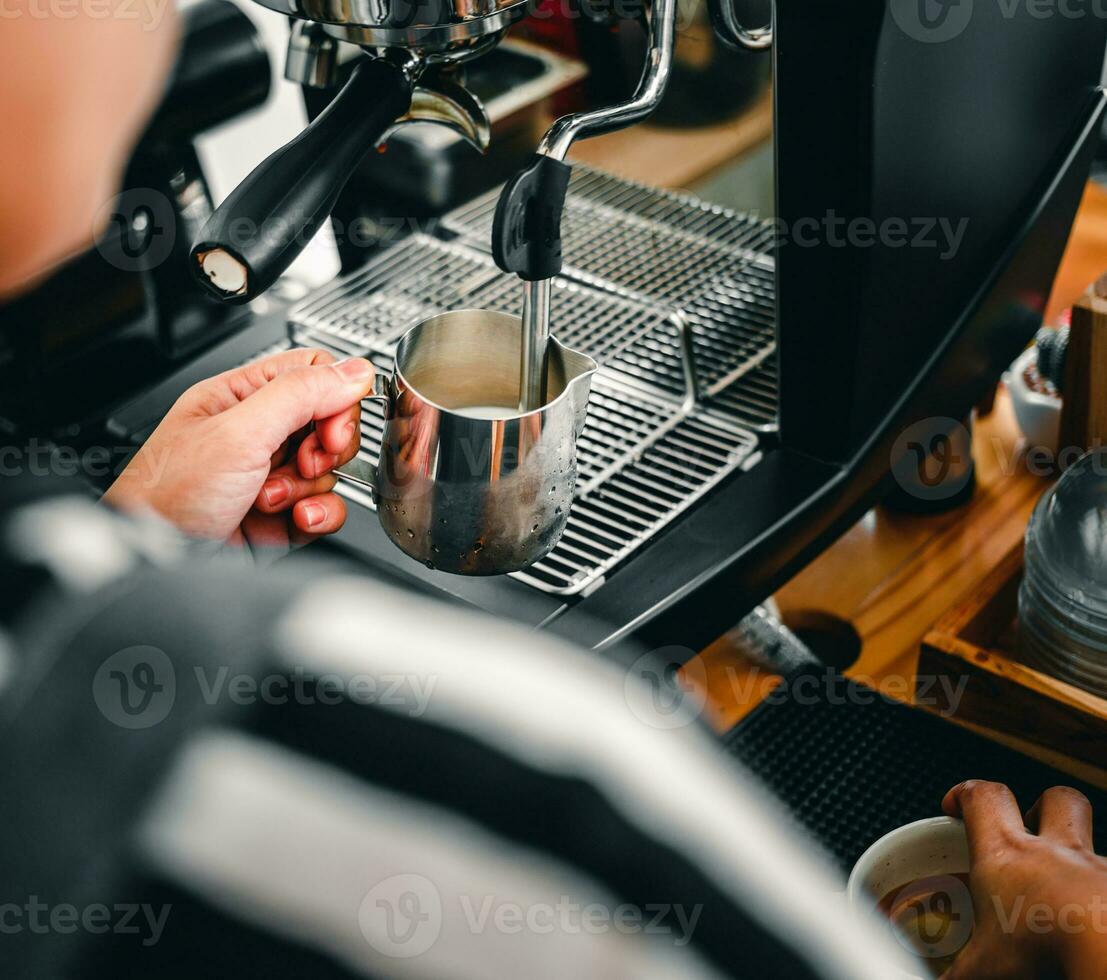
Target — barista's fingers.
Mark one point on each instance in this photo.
(266, 531)
(287, 449)
(299, 396)
(974, 961)
(1064, 815)
(337, 432)
(285, 486)
(224, 391)
(314, 461)
(990, 812)
(322, 514)
(352, 446)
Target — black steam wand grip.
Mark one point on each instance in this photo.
(256, 233)
(526, 228)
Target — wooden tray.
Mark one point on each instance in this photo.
(975, 643)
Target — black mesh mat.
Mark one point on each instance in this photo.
(852, 766)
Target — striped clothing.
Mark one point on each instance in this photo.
(297, 774)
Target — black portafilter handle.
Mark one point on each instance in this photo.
(526, 229)
(257, 232)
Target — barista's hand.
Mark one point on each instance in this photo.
(246, 456)
(1039, 894)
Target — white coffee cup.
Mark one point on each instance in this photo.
(936, 847)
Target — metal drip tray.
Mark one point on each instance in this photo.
(712, 265)
(613, 516)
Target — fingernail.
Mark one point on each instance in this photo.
(348, 430)
(324, 462)
(276, 491)
(354, 369)
(314, 514)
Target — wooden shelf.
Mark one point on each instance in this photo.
(975, 645)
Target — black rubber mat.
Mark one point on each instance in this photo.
(852, 766)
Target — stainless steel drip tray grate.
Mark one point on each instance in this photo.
(623, 499)
(420, 276)
(613, 517)
(713, 265)
(646, 453)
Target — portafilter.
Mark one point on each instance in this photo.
(404, 73)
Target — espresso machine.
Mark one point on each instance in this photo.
(756, 387)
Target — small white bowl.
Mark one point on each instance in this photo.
(1038, 415)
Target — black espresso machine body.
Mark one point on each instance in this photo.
(886, 115)
(893, 121)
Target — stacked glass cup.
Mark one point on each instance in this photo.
(1063, 596)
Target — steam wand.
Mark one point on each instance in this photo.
(526, 230)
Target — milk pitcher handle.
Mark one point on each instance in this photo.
(359, 471)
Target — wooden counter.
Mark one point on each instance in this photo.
(892, 575)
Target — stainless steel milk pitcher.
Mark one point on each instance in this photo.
(466, 482)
